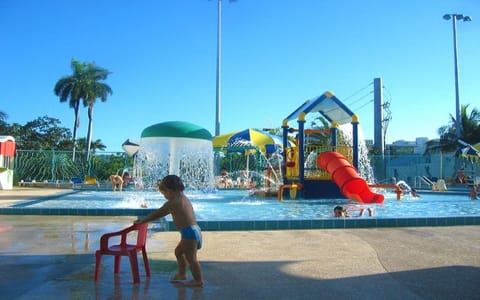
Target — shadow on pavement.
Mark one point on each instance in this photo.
(71, 277)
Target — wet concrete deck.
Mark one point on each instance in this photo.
(52, 257)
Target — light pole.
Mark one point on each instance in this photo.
(219, 58)
(455, 17)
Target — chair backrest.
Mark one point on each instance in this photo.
(142, 234)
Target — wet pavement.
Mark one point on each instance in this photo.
(52, 257)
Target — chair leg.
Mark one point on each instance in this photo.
(145, 262)
(134, 265)
(98, 260)
(118, 260)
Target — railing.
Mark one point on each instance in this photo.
(53, 166)
(57, 166)
(312, 171)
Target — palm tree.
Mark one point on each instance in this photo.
(84, 85)
(95, 145)
(71, 88)
(470, 125)
(96, 89)
(448, 133)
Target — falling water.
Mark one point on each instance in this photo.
(190, 159)
(365, 169)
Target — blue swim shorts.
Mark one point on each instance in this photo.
(192, 232)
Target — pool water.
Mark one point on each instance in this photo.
(233, 205)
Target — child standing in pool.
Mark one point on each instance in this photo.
(473, 193)
(181, 209)
(341, 212)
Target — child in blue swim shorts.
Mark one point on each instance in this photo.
(181, 209)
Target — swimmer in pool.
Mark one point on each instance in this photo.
(473, 193)
(181, 209)
(341, 212)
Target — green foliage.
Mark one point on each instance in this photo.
(96, 145)
(43, 153)
(106, 165)
(41, 134)
(3, 123)
(448, 134)
(84, 84)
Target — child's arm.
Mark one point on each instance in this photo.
(159, 213)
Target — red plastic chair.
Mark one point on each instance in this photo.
(124, 249)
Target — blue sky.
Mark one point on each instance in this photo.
(275, 55)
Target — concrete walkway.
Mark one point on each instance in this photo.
(52, 257)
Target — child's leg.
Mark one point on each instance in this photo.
(190, 248)
(181, 262)
(370, 211)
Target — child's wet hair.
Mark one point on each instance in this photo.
(171, 182)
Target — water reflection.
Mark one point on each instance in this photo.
(124, 289)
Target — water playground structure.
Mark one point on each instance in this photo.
(175, 147)
(308, 168)
(313, 170)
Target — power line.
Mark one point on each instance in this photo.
(358, 91)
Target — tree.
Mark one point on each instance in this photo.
(43, 133)
(84, 85)
(470, 125)
(70, 88)
(95, 145)
(3, 124)
(448, 133)
(95, 89)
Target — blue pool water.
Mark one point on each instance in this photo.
(236, 205)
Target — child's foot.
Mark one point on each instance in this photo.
(193, 283)
(177, 278)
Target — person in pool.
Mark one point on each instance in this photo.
(473, 193)
(116, 180)
(341, 212)
(414, 193)
(181, 209)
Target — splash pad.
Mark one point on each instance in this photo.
(175, 147)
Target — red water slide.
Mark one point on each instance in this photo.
(346, 177)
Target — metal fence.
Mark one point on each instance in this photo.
(54, 166)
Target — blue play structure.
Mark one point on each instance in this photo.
(300, 173)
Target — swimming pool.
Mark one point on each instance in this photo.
(234, 209)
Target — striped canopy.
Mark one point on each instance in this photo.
(249, 138)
